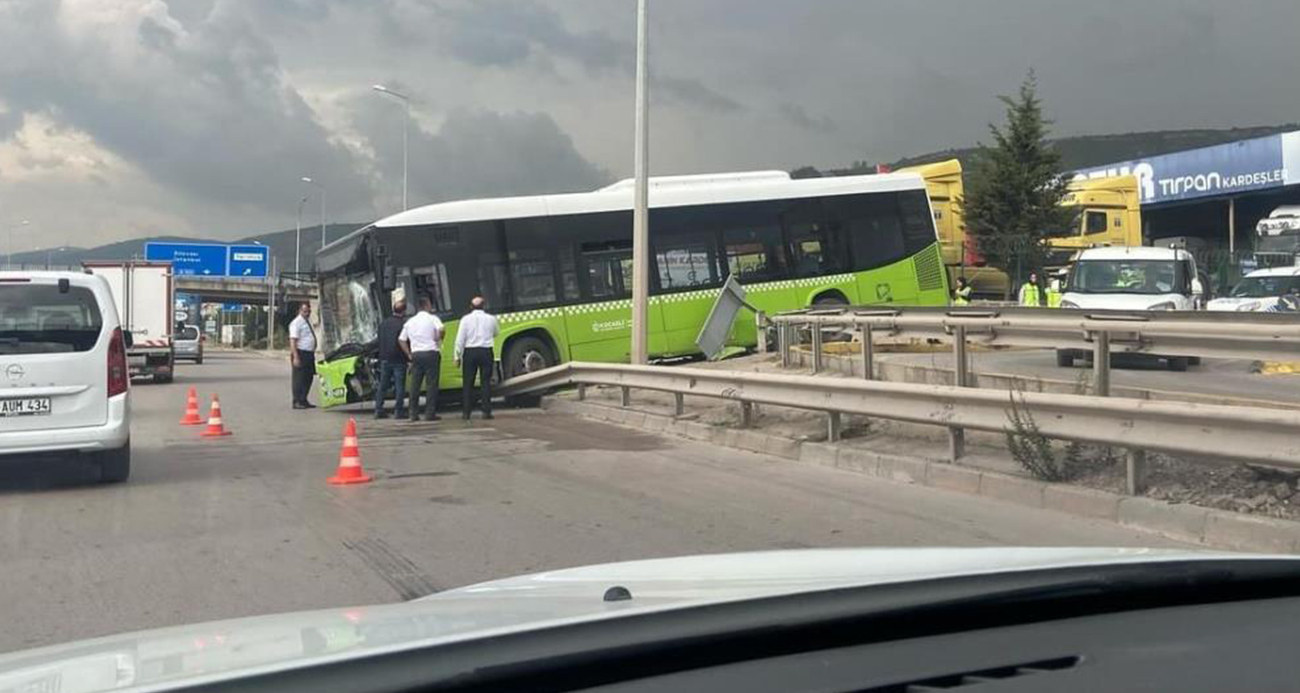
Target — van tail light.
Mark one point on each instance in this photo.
(118, 378)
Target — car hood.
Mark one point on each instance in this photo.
(1118, 301)
(1256, 304)
(173, 657)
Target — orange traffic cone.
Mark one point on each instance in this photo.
(191, 417)
(349, 471)
(215, 427)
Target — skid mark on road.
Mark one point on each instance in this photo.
(395, 569)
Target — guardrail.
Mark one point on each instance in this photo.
(1264, 336)
(1225, 432)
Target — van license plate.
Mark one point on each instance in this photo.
(28, 406)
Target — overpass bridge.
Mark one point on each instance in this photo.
(250, 291)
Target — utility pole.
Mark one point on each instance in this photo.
(641, 205)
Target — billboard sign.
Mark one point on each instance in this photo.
(190, 259)
(1225, 169)
(249, 260)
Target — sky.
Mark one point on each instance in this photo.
(128, 118)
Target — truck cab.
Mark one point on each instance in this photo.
(1277, 237)
(1109, 215)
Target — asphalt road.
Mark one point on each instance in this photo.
(216, 528)
(1226, 377)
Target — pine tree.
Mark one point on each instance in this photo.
(1013, 199)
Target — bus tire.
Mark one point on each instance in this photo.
(526, 354)
(1177, 363)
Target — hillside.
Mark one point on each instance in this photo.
(281, 243)
(1092, 150)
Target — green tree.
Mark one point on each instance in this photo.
(1013, 198)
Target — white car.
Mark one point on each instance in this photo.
(64, 385)
(1132, 278)
(1259, 290)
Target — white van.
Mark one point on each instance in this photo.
(1132, 278)
(64, 384)
(1259, 290)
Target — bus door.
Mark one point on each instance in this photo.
(600, 327)
(686, 267)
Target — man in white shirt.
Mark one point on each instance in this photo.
(421, 339)
(475, 337)
(302, 354)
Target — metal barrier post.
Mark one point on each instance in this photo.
(1101, 363)
(783, 343)
(868, 355)
(625, 398)
(961, 378)
(679, 404)
(582, 391)
(1135, 472)
(834, 428)
(746, 414)
(760, 331)
(816, 348)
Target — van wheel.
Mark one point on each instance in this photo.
(198, 360)
(1064, 359)
(1194, 360)
(115, 465)
(1177, 363)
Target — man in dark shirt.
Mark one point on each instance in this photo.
(392, 362)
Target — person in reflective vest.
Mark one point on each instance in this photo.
(961, 295)
(1030, 295)
(1054, 291)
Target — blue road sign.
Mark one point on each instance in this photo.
(249, 260)
(232, 307)
(190, 259)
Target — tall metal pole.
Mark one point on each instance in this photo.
(297, 237)
(322, 216)
(406, 125)
(270, 307)
(640, 213)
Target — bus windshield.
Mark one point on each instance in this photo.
(1126, 277)
(350, 314)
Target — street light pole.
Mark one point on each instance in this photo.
(297, 237)
(309, 181)
(640, 213)
(406, 125)
(9, 251)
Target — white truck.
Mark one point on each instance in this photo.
(145, 299)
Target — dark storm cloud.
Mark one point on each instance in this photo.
(204, 109)
(797, 115)
(475, 153)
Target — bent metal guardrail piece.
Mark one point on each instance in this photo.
(1202, 430)
(1192, 333)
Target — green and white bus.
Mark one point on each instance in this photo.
(556, 269)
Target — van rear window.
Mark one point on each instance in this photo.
(38, 319)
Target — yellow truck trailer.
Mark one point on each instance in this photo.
(1110, 214)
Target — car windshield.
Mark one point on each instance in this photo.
(40, 319)
(1125, 277)
(1262, 287)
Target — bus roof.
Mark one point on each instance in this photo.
(665, 191)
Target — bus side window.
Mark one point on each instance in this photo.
(754, 254)
(432, 282)
(609, 269)
(817, 249)
(686, 261)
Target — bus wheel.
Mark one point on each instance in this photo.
(526, 355)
